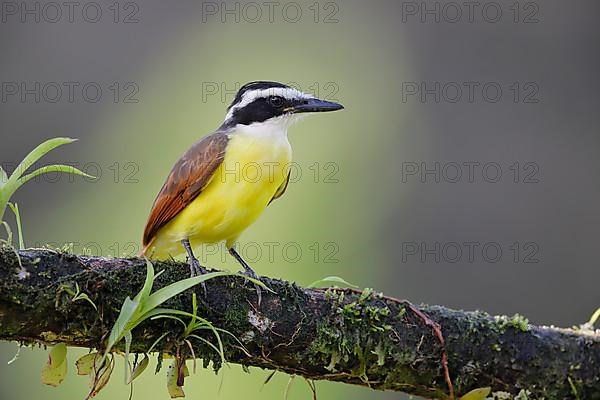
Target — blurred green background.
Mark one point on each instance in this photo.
(350, 211)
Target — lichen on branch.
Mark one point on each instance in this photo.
(344, 335)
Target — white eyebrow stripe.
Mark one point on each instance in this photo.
(251, 95)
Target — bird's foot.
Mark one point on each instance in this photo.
(196, 270)
(249, 272)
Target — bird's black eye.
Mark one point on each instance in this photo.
(276, 101)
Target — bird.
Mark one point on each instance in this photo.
(209, 197)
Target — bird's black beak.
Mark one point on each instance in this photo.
(314, 105)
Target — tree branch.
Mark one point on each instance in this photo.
(338, 335)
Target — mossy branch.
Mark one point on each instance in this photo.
(342, 335)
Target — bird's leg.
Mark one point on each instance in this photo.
(247, 271)
(195, 268)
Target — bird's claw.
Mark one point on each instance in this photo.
(251, 274)
(196, 270)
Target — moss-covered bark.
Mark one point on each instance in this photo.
(354, 337)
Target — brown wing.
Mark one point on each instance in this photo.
(281, 189)
(189, 176)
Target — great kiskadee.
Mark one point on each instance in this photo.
(209, 196)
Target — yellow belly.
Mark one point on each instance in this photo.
(239, 191)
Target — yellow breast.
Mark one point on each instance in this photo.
(255, 166)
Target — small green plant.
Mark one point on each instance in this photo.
(20, 176)
(589, 325)
(146, 305)
(595, 316)
(76, 294)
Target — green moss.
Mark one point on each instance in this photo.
(358, 340)
(365, 295)
(351, 312)
(236, 318)
(401, 313)
(520, 322)
(517, 321)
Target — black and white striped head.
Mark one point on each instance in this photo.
(264, 101)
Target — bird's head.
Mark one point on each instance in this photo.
(263, 101)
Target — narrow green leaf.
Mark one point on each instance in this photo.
(594, 318)
(159, 311)
(22, 273)
(12, 184)
(130, 311)
(220, 349)
(194, 309)
(9, 233)
(168, 317)
(55, 370)
(4, 196)
(53, 168)
(164, 294)
(331, 281)
(219, 341)
(573, 389)
(141, 367)
(3, 177)
(84, 296)
(157, 341)
(15, 209)
(215, 348)
(162, 313)
(234, 338)
(128, 340)
(37, 153)
(125, 318)
(142, 296)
